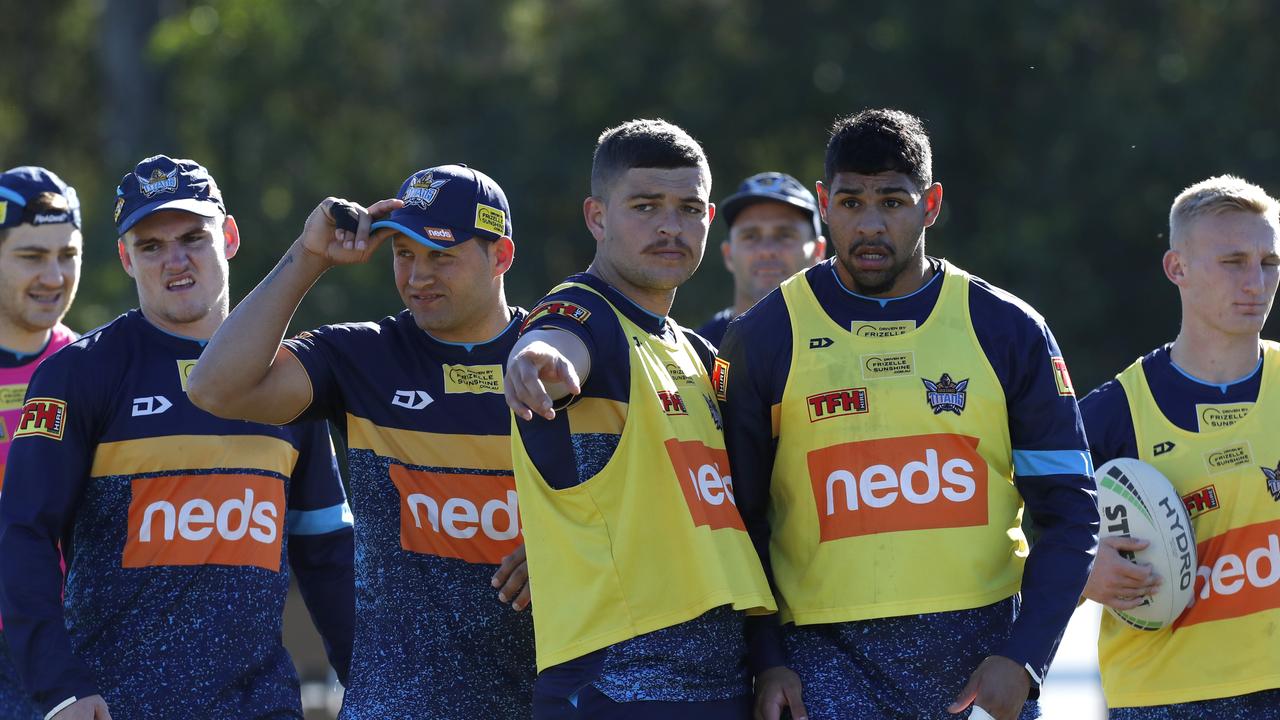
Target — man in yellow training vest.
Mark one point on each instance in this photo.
(639, 565)
(1204, 410)
(887, 415)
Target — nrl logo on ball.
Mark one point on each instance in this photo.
(945, 395)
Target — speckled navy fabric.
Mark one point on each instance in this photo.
(1263, 705)
(199, 641)
(14, 703)
(896, 668)
(432, 639)
(591, 704)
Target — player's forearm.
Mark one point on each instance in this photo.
(239, 358)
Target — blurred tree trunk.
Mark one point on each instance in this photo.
(132, 124)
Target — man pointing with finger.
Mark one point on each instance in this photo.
(418, 397)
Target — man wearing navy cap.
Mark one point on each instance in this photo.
(39, 270)
(419, 399)
(176, 525)
(774, 233)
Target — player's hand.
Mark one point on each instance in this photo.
(512, 580)
(778, 688)
(323, 239)
(1117, 581)
(531, 372)
(86, 708)
(999, 685)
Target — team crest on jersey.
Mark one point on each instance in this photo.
(1273, 481)
(42, 417)
(720, 379)
(945, 394)
(714, 409)
(423, 190)
(159, 182)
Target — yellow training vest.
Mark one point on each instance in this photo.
(892, 490)
(1228, 643)
(654, 539)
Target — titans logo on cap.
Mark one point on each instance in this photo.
(159, 182)
(423, 191)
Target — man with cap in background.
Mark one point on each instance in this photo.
(774, 233)
(40, 247)
(176, 525)
(418, 397)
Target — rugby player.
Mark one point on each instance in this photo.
(40, 248)
(419, 399)
(179, 528)
(1204, 411)
(774, 233)
(638, 560)
(887, 417)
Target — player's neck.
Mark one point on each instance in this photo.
(742, 302)
(20, 340)
(1213, 356)
(657, 302)
(482, 329)
(201, 329)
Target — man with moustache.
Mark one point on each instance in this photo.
(1211, 393)
(179, 528)
(887, 417)
(40, 249)
(774, 233)
(418, 397)
(639, 564)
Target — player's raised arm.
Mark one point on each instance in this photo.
(545, 366)
(244, 373)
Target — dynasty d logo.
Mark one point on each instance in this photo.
(159, 182)
(945, 395)
(1273, 481)
(423, 191)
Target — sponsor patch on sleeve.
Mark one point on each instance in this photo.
(1062, 377)
(42, 417)
(184, 372)
(566, 309)
(720, 378)
(491, 219)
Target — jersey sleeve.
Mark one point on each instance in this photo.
(321, 352)
(703, 347)
(50, 460)
(1108, 423)
(321, 543)
(1052, 471)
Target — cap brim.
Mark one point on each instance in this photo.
(203, 208)
(734, 204)
(459, 237)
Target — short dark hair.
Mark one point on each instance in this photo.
(45, 202)
(642, 144)
(881, 140)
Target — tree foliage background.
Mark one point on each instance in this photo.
(1062, 130)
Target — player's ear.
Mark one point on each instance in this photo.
(726, 252)
(819, 250)
(932, 203)
(822, 199)
(503, 253)
(231, 234)
(593, 212)
(125, 261)
(711, 212)
(1174, 267)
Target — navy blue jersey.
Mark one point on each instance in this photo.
(714, 328)
(1051, 464)
(429, 449)
(698, 660)
(175, 525)
(1186, 401)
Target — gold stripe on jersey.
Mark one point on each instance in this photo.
(427, 449)
(597, 415)
(194, 452)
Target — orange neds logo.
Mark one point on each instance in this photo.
(906, 483)
(704, 478)
(469, 517)
(1239, 574)
(231, 519)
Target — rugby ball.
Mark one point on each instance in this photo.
(1137, 500)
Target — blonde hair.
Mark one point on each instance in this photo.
(1216, 195)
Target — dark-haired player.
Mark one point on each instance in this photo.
(1204, 411)
(419, 398)
(774, 233)
(888, 415)
(40, 249)
(639, 563)
(179, 528)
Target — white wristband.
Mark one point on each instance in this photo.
(60, 707)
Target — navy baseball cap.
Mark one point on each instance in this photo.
(774, 186)
(163, 183)
(448, 205)
(21, 185)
